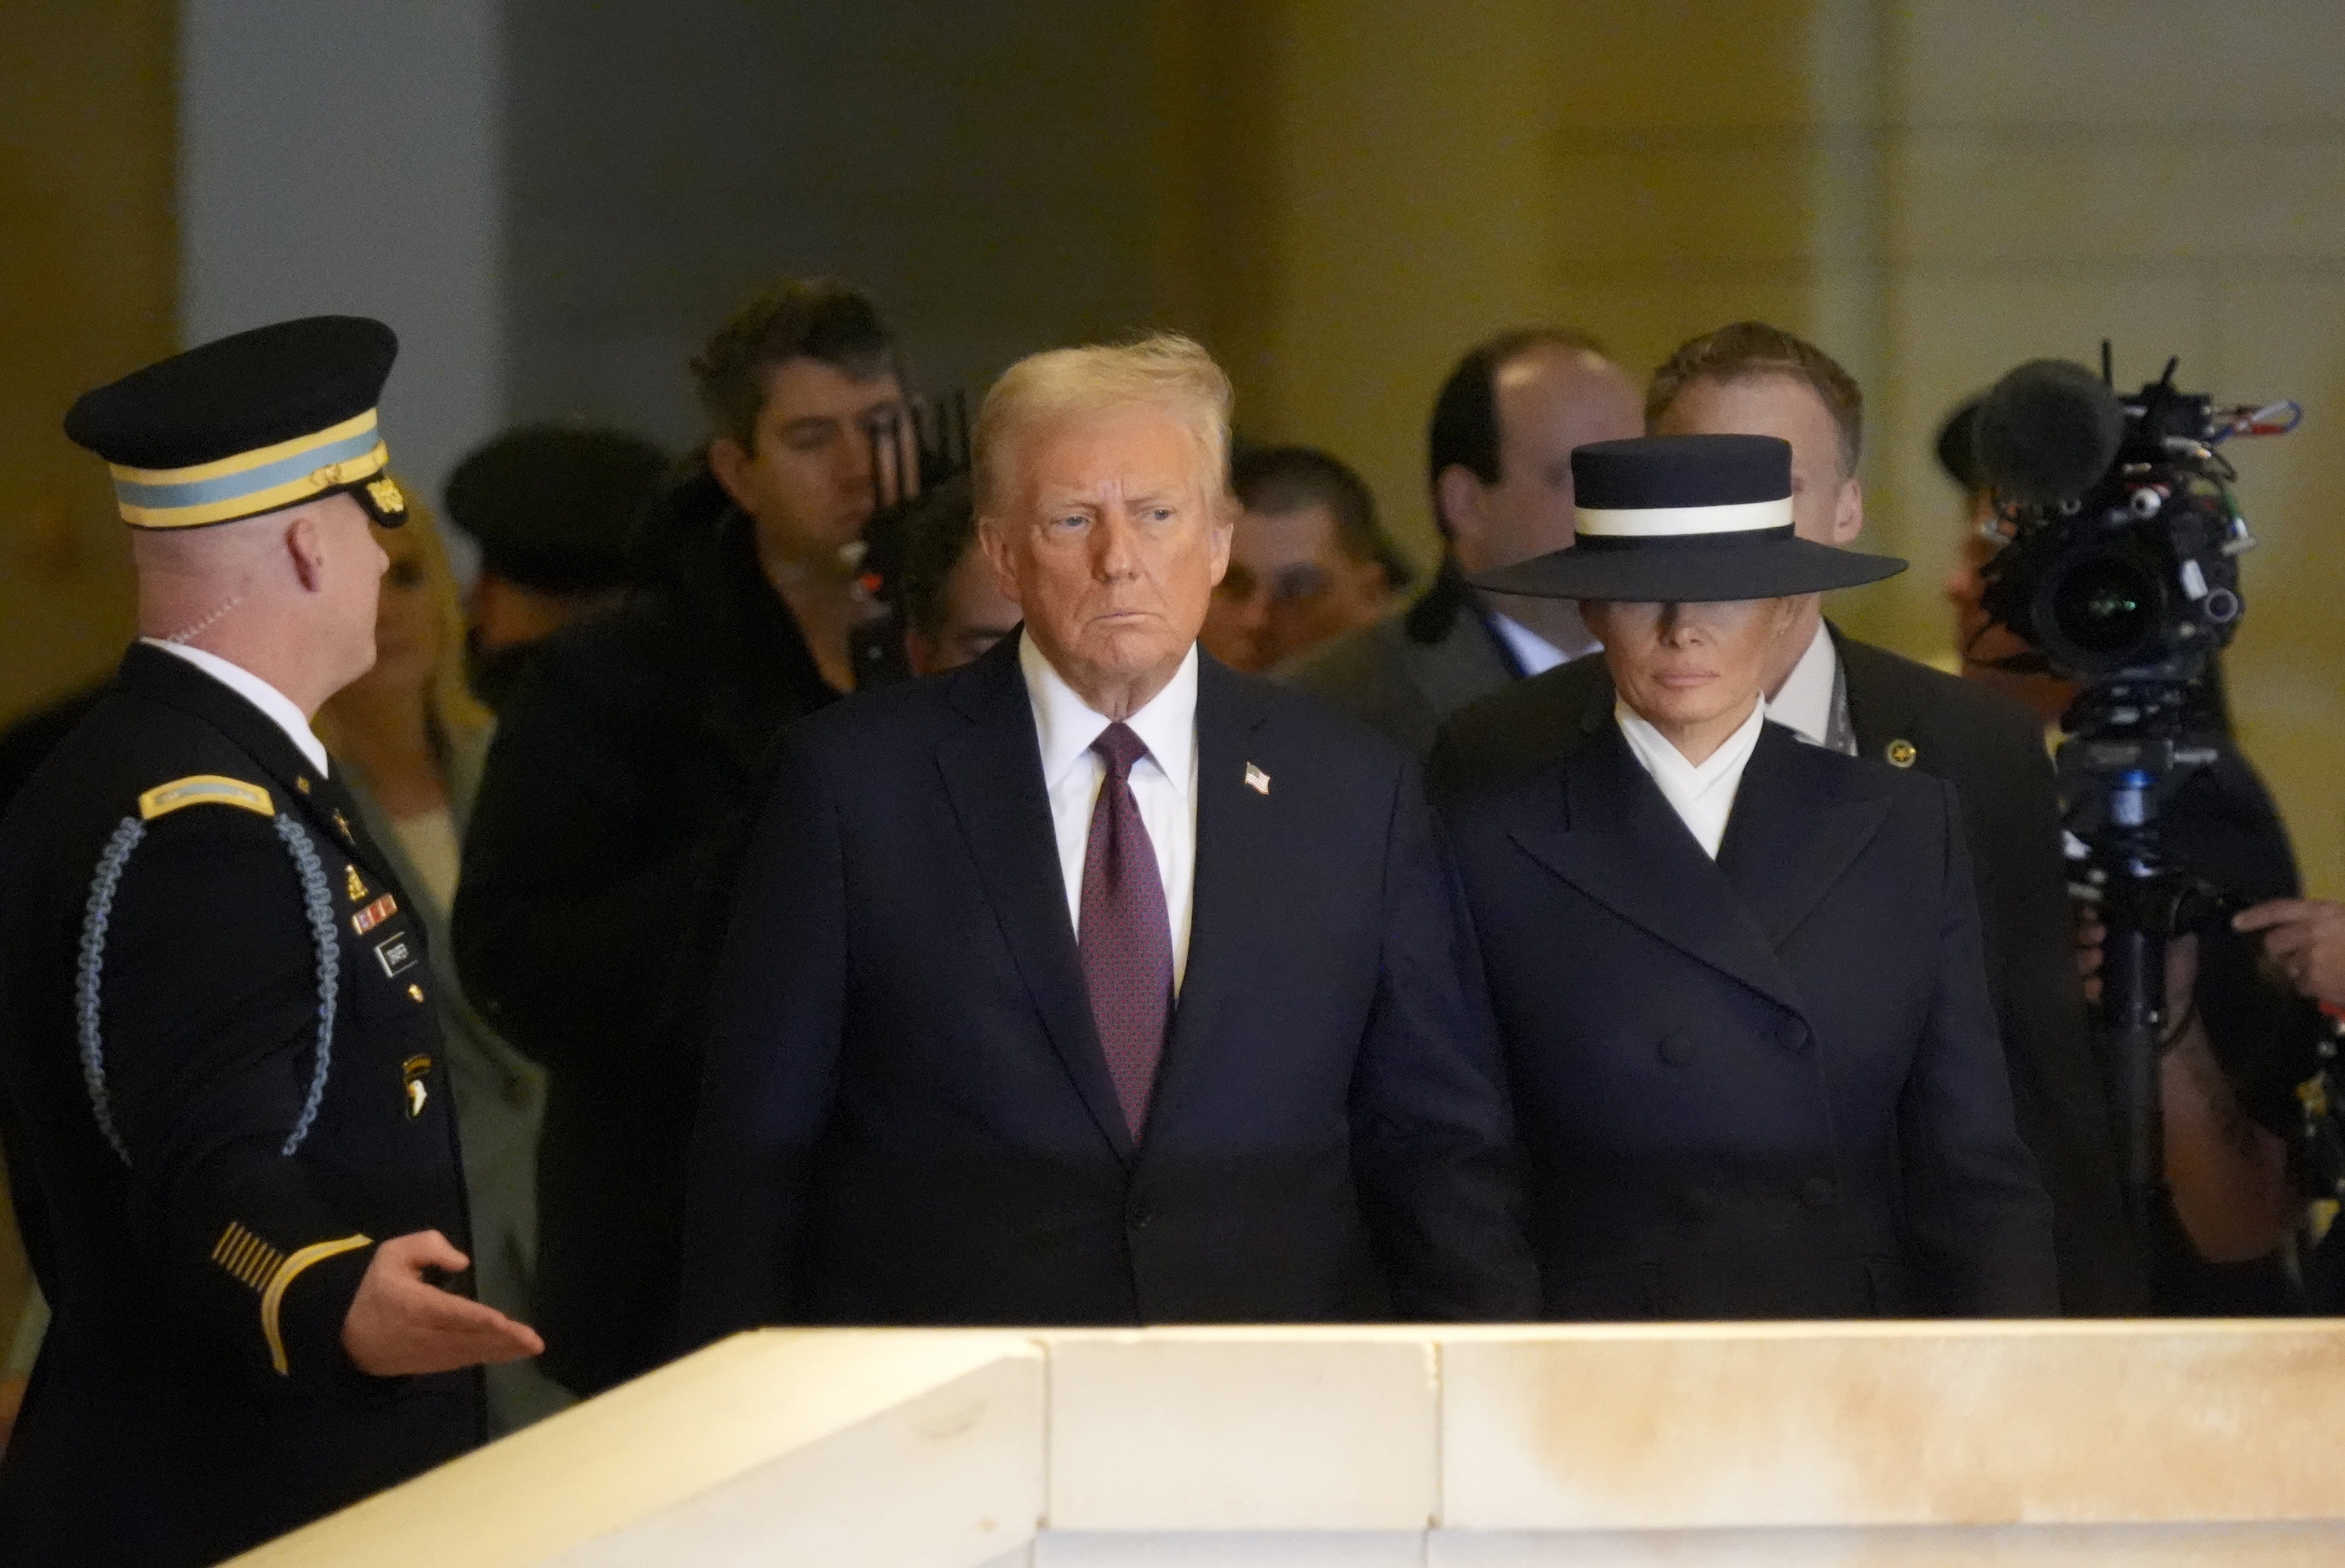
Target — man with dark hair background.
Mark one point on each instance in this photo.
(1308, 559)
(1499, 460)
(952, 604)
(620, 765)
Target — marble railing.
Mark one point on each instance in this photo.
(1913, 1445)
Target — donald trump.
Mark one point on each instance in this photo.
(1093, 983)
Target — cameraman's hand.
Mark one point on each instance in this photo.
(400, 1324)
(2181, 964)
(2304, 941)
(2181, 981)
(2090, 936)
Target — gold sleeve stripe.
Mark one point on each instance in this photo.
(203, 789)
(258, 1261)
(273, 1299)
(246, 1256)
(233, 1243)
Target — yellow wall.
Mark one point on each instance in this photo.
(86, 264)
(1354, 189)
(1936, 190)
(1413, 176)
(2170, 176)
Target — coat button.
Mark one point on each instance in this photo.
(1791, 1033)
(1676, 1050)
(1698, 1203)
(1140, 1218)
(1816, 1192)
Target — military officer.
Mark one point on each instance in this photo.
(221, 1090)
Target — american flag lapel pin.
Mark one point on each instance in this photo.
(1257, 779)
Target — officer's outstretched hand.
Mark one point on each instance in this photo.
(401, 1324)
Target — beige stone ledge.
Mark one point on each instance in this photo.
(1904, 1445)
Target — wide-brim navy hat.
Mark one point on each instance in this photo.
(1685, 520)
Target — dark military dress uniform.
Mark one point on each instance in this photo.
(220, 1085)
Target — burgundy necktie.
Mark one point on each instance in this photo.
(1127, 945)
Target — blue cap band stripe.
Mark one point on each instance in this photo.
(251, 481)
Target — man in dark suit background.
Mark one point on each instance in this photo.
(1750, 379)
(1499, 460)
(1093, 982)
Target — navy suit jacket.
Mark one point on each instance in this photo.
(1769, 1086)
(907, 1117)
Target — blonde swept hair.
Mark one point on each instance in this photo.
(1163, 370)
(457, 719)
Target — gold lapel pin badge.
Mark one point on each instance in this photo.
(1901, 753)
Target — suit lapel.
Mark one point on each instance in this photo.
(992, 774)
(1795, 830)
(1621, 845)
(1879, 712)
(1237, 850)
(1465, 664)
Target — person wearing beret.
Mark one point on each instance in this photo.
(230, 1131)
(1740, 980)
(554, 509)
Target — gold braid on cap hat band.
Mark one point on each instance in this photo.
(249, 483)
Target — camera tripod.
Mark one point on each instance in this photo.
(2124, 753)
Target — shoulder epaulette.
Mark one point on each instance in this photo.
(203, 789)
(318, 907)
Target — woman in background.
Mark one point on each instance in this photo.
(407, 740)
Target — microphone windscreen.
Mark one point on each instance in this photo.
(2046, 432)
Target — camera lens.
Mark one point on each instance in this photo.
(2106, 607)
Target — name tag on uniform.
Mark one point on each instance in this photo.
(374, 915)
(396, 954)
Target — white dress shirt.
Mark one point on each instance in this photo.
(1804, 703)
(1702, 795)
(1163, 783)
(276, 705)
(1534, 653)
